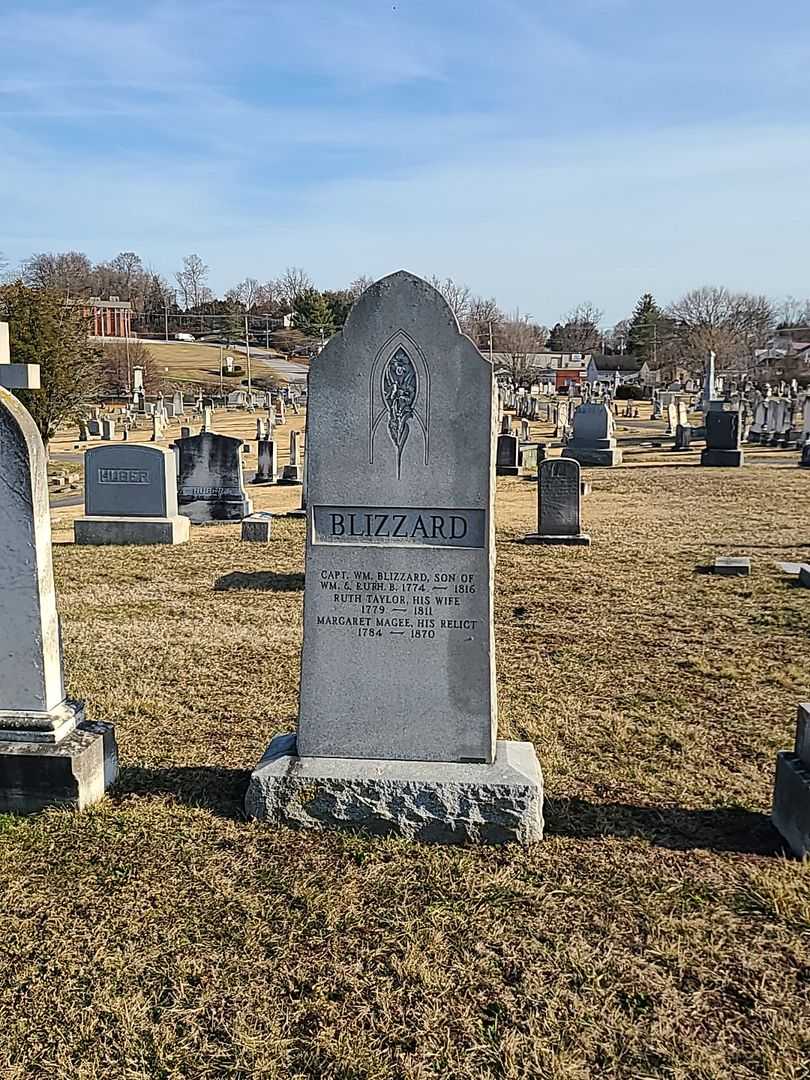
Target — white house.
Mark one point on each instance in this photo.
(560, 369)
(620, 371)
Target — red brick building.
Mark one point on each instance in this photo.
(108, 318)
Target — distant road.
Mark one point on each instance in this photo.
(291, 370)
(59, 502)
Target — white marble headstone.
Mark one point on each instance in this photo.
(31, 681)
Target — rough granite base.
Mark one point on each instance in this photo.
(579, 540)
(728, 459)
(433, 801)
(131, 530)
(585, 456)
(791, 803)
(75, 773)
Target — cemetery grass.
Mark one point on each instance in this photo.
(658, 931)
(198, 363)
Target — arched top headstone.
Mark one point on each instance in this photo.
(414, 398)
(398, 659)
(31, 681)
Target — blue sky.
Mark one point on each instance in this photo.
(541, 152)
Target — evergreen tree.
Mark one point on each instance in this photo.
(339, 302)
(48, 330)
(555, 338)
(312, 313)
(646, 324)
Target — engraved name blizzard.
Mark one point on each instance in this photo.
(398, 524)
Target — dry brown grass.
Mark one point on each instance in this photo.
(658, 931)
(198, 362)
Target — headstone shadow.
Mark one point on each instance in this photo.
(717, 829)
(206, 787)
(259, 580)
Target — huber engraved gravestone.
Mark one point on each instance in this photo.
(397, 720)
(559, 500)
(130, 497)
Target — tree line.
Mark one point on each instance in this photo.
(668, 337)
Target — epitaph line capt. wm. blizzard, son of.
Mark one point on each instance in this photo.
(398, 711)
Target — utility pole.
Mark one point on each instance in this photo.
(267, 333)
(166, 322)
(490, 341)
(247, 351)
(221, 361)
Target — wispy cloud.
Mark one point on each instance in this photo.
(540, 151)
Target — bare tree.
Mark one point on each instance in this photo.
(732, 325)
(793, 313)
(457, 296)
(483, 316)
(616, 339)
(124, 276)
(266, 301)
(290, 286)
(117, 361)
(579, 330)
(68, 272)
(192, 282)
(518, 342)
(246, 293)
(359, 285)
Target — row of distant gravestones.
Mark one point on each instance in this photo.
(139, 494)
(135, 494)
(453, 779)
(136, 483)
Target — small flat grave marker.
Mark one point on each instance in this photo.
(732, 566)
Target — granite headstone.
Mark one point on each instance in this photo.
(791, 799)
(559, 495)
(397, 719)
(594, 439)
(130, 497)
(723, 439)
(210, 483)
(49, 754)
